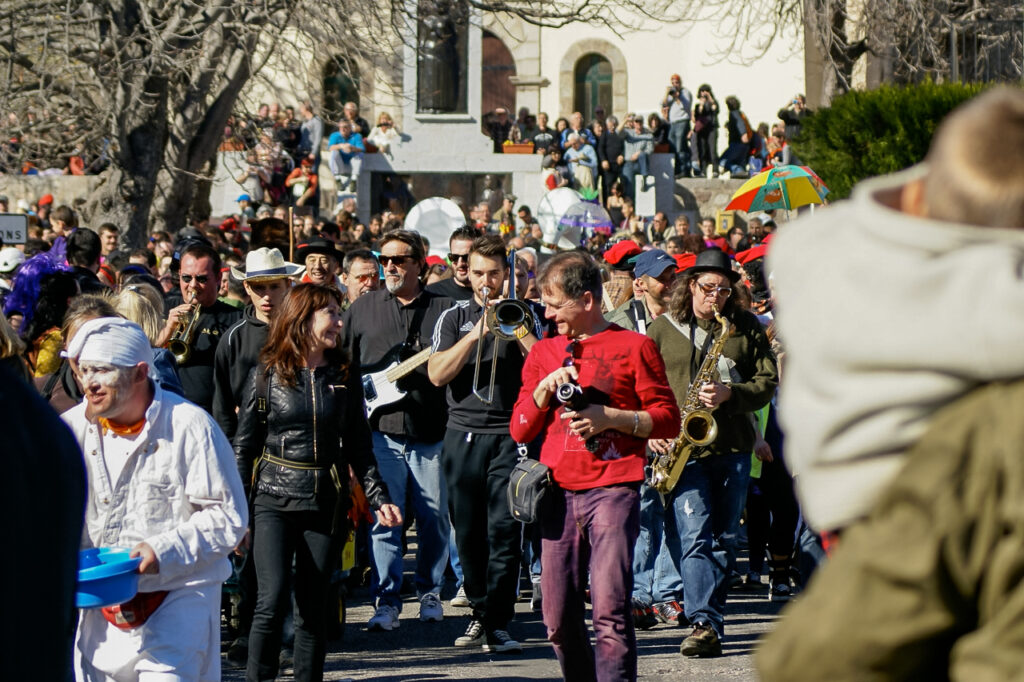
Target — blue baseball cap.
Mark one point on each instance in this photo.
(653, 263)
(243, 197)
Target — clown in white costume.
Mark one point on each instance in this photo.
(163, 482)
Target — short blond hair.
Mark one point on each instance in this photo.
(975, 165)
(136, 302)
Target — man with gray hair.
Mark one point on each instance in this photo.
(162, 481)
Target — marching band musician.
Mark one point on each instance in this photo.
(702, 512)
(478, 454)
(406, 434)
(199, 280)
(596, 456)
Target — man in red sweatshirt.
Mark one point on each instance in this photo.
(596, 455)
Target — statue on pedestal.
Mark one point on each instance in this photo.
(438, 72)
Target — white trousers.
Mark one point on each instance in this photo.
(179, 643)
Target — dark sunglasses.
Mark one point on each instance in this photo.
(573, 350)
(397, 260)
(200, 279)
(456, 257)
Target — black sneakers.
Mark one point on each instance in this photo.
(702, 643)
(499, 641)
(474, 635)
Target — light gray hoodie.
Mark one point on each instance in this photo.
(885, 318)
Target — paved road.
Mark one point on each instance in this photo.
(422, 651)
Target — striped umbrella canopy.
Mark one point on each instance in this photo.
(785, 187)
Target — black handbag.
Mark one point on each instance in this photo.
(527, 486)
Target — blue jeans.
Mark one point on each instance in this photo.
(630, 169)
(677, 137)
(655, 577)
(701, 525)
(410, 466)
(735, 158)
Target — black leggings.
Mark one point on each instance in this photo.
(282, 536)
(772, 509)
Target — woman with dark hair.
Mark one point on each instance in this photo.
(705, 129)
(741, 134)
(658, 129)
(300, 427)
(43, 331)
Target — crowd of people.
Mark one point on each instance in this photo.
(273, 411)
(437, 450)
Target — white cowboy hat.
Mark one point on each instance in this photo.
(266, 263)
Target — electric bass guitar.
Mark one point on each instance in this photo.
(380, 381)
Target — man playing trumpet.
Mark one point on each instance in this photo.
(479, 454)
(199, 279)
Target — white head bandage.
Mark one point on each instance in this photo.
(112, 341)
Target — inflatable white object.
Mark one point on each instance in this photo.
(435, 218)
(550, 210)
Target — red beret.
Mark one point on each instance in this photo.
(45, 200)
(621, 252)
(685, 261)
(744, 257)
(435, 260)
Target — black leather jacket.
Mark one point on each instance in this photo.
(303, 431)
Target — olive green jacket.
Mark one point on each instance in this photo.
(931, 585)
(754, 380)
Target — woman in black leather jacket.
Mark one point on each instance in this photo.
(300, 426)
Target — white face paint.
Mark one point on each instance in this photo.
(100, 373)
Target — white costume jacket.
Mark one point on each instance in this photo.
(179, 491)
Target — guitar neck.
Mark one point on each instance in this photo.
(402, 369)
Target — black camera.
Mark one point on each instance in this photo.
(571, 395)
(672, 92)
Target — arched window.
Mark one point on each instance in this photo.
(341, 84)
(593, 85)
(497, 67)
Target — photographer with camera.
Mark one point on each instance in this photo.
(793, 116)
(676, 108)
(596, 456)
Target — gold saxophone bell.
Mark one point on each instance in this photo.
(184, 336)
(698, 427)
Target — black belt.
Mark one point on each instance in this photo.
(291, 463)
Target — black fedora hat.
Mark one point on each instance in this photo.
(714, 260)
(322, 246)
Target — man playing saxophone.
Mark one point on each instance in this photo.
(702, 511)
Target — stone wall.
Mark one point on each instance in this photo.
(66, 189)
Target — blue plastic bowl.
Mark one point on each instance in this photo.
(106, 576)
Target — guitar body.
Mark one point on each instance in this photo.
(380, 381)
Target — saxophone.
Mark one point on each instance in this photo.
(698, 428)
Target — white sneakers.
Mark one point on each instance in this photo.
(385, 618)
(460, 599)
(430, 608)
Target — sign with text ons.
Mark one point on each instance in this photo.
(13, 228)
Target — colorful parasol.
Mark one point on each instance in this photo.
(786, 187)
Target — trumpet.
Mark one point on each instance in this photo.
(180, 343)
(504, 319)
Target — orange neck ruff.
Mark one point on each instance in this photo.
(121, 429)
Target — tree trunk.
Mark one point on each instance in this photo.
(125, 197)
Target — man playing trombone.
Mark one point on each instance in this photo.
(479, 346)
